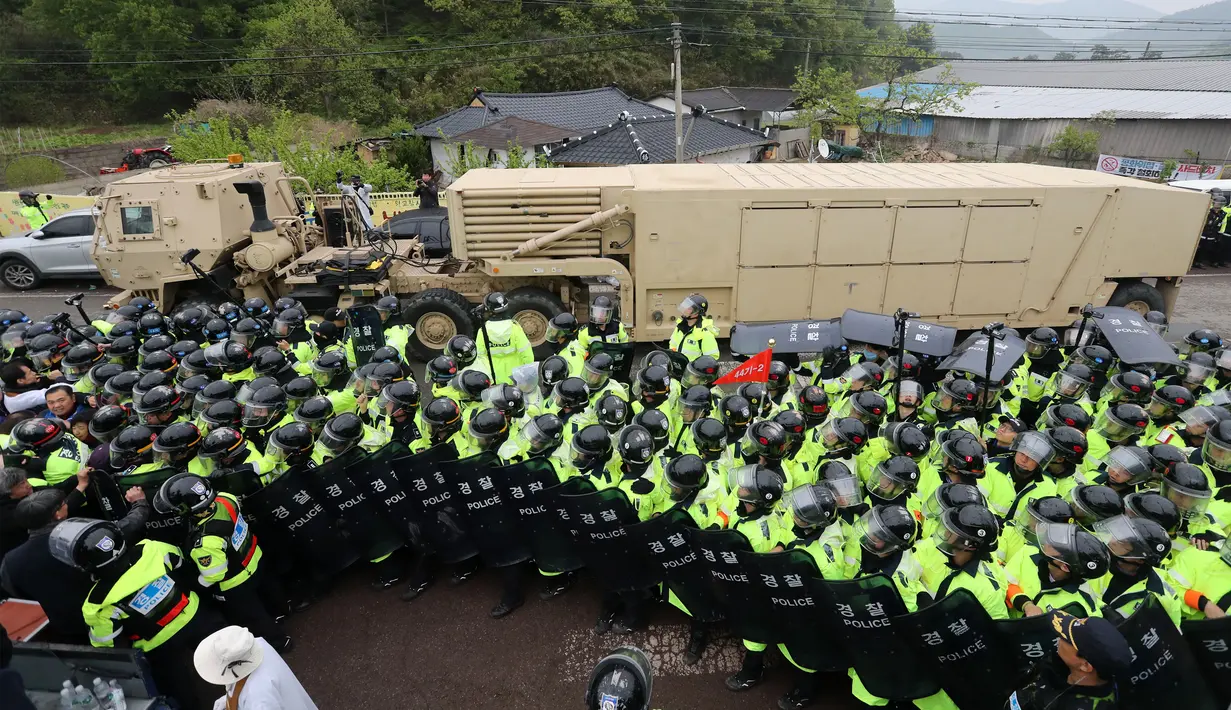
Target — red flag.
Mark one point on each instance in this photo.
(755, 369)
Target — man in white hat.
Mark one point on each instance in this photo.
(255, 676)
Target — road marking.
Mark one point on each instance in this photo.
(663, 644)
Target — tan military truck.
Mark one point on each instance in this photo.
(961, 244)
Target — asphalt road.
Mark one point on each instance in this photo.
(364, 648)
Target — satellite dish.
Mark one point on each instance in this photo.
(822, 148)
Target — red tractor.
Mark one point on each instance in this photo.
(139, 158)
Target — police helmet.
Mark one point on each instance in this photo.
(757, 396)
(570, 395)
(1169, 399)
(812, 506)
(886, 529)
(224, 443)
(177, 444)
(1068, 442)
(894, 477)
(561, 327)
(1152, 505)
(186, 494)
(1138, 540)
(653, 385)
(496, 304)
(709, 437)
(79, 360)
(86, 544)
(1041, 341)
(266, 406)
(868, 407)
(471, 384)
(906, 439)
(159, 400)
(388, 306)
(756, 485)
(814, 404)
(462, 349)
(142, 304)
(552, 371)
(602, 310)
(291, 443)
(590, 446)
(101, 373)
(1042, 510)
(846, 433)
(270, 362)
(970, 528)
(963, 455)
(1092, 503)
(123, 349)
(794, 424)
(702, 370)
(314, 412)
(442, 415)
(385, 353)
(489, 428)
(255, 307)
(46, 351)
(1200, 340)
(621, 681)
(544, 433)
(952, 495)
(765, 438)
(1187, 486)
(955, 395)
(1121, 421)
(842, 481)
(1216, 451)
(1096, 357)
(1085, 556)
(216, 330)
(656, 357)
(130, 445)
(161, 361)
(441, 369)
(685, 474)
(120, 386)
(736, 412)
(597, 370)
(152, 324)
(613, 412)
(635, 445)
(42, 436)
(779, 378)
(657, 423)
(341, 433)
(108, 421)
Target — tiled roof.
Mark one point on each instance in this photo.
(751, 98)
(575, 110)
(515, 130)
(651, 139)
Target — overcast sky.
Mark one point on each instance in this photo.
(1164, 6)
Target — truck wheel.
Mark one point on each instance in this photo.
(532, 308)
(1137, 296)
(437, 314)
(19, 276)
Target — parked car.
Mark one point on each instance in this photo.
(430, 225)
(59, 249)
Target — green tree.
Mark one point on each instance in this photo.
(1102, 52)
(903, 96)
(827, 97)
(1064, 57)
(1074, 145)
(336, 86)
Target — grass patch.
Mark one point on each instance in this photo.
(35, 138)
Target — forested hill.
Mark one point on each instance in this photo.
(376, 61)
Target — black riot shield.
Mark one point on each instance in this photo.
(798, 616)
(865, 611)
(971, 356)
(719, 552)
(491, 524)
(599, 522)
(239, 482)
(440, 524)
(880, 329)
(170, 528)
(359, 514)
(958, 643)
(621, 356)
(1210, 642)
(296, 524)
(1030, 639)
(1163, 673)
(529, 488)
(679, 361)
(375, 475)
(664, 539)
(806, 336)
(1132, 339)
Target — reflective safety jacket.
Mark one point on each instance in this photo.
(63, 463)
(764, 532)
(34, 214)
(1201, 573)
(509, 348)
(585, 336)
(224, 547)
(140, 604)
(1029, 580)
(1115, 596)
(827, 546)
(692, 343)
(985, 580)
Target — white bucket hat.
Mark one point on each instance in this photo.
(226, 656)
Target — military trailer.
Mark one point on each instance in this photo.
(960, 244)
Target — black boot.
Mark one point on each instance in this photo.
(463, 571)
(802, 695)
(417, 587)
(750, 673)
(557, 585)
(698, 638)
(388, 572)
(506, 607)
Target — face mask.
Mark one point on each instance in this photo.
(869, 356)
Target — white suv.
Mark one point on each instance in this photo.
(59, 249)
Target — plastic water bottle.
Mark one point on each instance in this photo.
(66, 698)
(116, 696)
(102, 692)
(85, 700)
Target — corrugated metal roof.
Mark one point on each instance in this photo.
(620, 143)
(1156, 75)
(1034, 102)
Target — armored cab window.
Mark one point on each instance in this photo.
(137, 220)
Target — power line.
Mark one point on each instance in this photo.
(340, 55)
(1017, 62)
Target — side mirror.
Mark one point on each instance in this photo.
(37, 234)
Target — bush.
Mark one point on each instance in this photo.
(410, 153)
(32, 170)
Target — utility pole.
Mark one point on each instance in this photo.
(676, 43)
(808, 58)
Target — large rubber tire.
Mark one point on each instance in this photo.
(1137, 296)
(532, 308)
(19, 274)
(437, 314)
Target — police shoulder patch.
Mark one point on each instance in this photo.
(206, 560)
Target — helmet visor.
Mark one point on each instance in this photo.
(322, 376)
(1058, 541)
(1034, 446)
(845, 491)
(742, 482)
(1128, 465)
(593, 377)
(1191, 502)
(13, 339)
(1216, 455)
(1121, 538)
(691, 306)
(43, 361)
(601, 315)
(949, 539)
(859, 374)
(281, 328)
(72, 373)
(244, 339)
(1036, 348)
(874, 537)
(1222, 359)
(556, 334)
(388, 405)
(885, 485)
(259, 415)
(803, 503)
(332, 444)
(538, 439)
(1160, 328)
(1198, 419)
(1069, 386)
(1112, 428)
(1159, 407)
(215, 355)
(1195, 373)
(910, 393)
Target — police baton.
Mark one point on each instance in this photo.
(1087, 312)
(75, 301)
(187, 258)
(481, 312)
(900, 317)
(993, 333)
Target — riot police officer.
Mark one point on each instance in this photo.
(227, 554)
(501, 339)
(603, 324)
(695, 334)
(397, 332)
(397, 408)
(959, 557)
(1138, 548)
(227, 451)
(1056, 572)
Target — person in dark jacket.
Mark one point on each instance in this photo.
(427, 191)
(12, 688)
(13, 488)
(30, 571)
